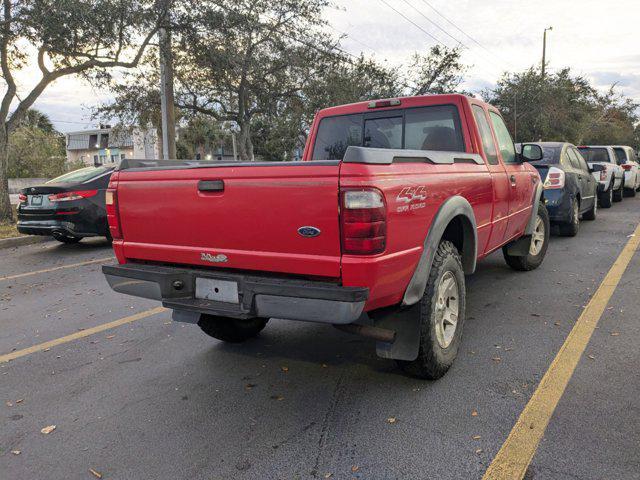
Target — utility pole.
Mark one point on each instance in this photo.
(544, 50)
(166, 88)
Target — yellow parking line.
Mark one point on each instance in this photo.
(53, 269)
(518, 450)
(81, 334)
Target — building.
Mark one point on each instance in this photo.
(108, 145)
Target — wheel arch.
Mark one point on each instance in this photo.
(456, 222)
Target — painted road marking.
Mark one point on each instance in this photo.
(81, 334)
(53, 269)
(518, 450)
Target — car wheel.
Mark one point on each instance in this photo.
(593, 211)
(441, 311)
(231, 330)
(618, 194)
(571, 229)
(629, 192)
(606, 198)
(65, 238)
(538, 247)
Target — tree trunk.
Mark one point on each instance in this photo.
(6, 212)
(245, 145)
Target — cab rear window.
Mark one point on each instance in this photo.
(595, 154)
(424, 128)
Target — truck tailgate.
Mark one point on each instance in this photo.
(244, 216)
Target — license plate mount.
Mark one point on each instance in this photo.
(36, 200)
(217, 290)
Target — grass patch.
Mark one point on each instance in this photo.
(8, 230)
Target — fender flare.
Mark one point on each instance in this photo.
(534, 210)
(456, 206)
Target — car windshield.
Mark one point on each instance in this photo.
(79, 176)
(594, 154)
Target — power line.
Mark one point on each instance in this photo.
(413, 23)
(465, 33)
(435, 24)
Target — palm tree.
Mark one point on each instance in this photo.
(37, 119)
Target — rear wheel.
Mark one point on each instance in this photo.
(571, 229)
(630, 192)
(61, 237)
(232, 330)
(538, 246)
(441, 311)
(593, 211)
(618, 194)
(606, 198)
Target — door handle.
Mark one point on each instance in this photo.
(211, 185)
(513, 180)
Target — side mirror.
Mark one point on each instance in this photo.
(596, 168)
(531, 152)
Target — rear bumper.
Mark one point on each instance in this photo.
(558, 203)
(47, 227)
(259, 296)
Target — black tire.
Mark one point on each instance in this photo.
(439, 346)
(606, 197)
(618, 195)
(571, 229)
(65, 239)
(593, 211)
(530, 261)
(231, 330)
(630, 192)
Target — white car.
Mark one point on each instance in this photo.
(628, 160)
(611, 178)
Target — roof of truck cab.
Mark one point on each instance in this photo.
(415, 101)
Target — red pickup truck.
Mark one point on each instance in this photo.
(373, 231)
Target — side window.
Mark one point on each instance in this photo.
(488, 144)
(621, 155)
(575, 163)
(505, 143)
(383, 132)
(581, 160)
(433, 128)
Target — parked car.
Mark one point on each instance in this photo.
(611, 179)
(570, 190)
(628, 160)
(394, 202)
(69, 207)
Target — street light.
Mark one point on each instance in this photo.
(544, 48)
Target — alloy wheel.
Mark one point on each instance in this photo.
(537, 237)
(447, 309)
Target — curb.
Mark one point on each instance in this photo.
(21, 241)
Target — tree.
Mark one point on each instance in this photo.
(64, 37)
(439, 71)
(562, 107)
(240, 59)
(34, 152)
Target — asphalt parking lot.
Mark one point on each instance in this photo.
(148, 398)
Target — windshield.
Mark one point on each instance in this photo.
(550, 156)
(594, 154)
(82, 175)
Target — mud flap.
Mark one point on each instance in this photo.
(406, 323)
(519, 248)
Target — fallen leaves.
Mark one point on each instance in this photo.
(478, 451)
(16, 452)
(284, 369)
(391, 420)
(355, 468)
(615, 334)
(279, 398)
(48, 430)
(476, 437)
(474, 413)
(95, 473)
(328, 475)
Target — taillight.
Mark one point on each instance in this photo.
(22, 198)
(68, 196)
(111, 202)
(364, 221)
(603, 173)
(626, 167)
(555, 179)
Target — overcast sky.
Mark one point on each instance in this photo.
(595, 38)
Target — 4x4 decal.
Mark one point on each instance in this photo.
(412, 197)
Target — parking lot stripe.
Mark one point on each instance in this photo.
(53, 269)
(513, 459)
(80, 334)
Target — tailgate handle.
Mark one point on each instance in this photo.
(211, 185)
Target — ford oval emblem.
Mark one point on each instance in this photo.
(309, 231)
